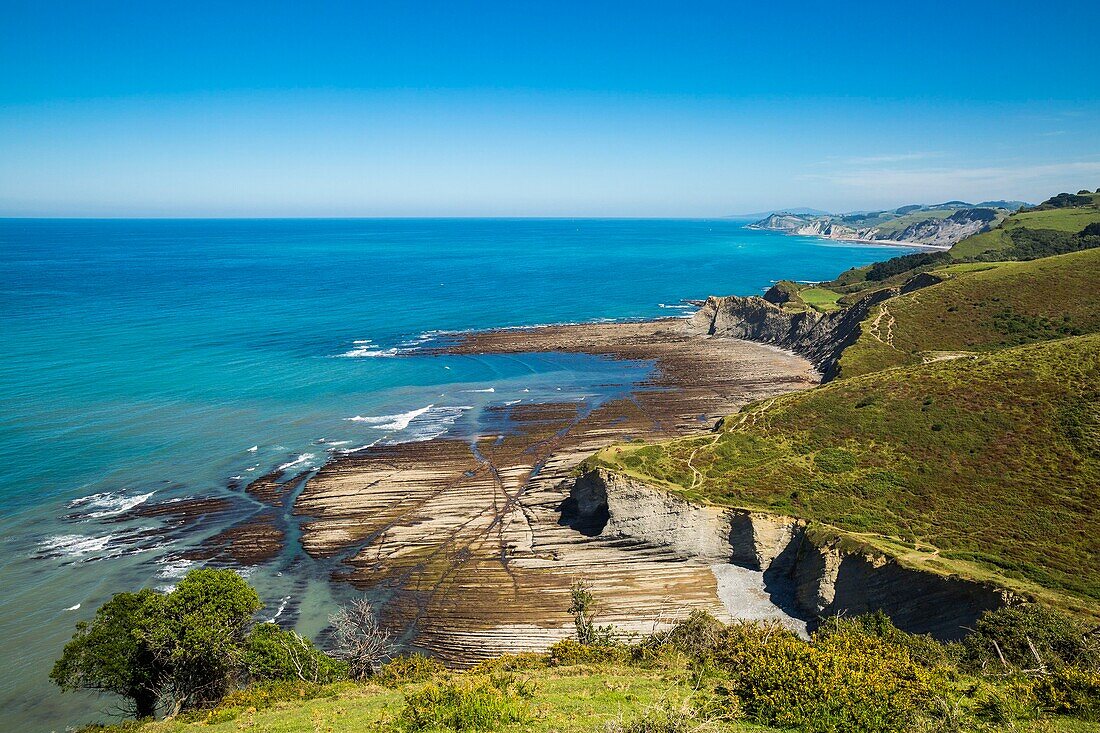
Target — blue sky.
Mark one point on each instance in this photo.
(529, 109)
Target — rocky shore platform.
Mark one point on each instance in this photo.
(472, 544)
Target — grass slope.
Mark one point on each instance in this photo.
(980, 307)
(987, 466)
(1023, 235)
(1069, 219)
(580, 699)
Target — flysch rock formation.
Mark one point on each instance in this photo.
(810, 577)
(473, 544)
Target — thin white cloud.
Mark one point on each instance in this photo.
(892, 158)
(962, 182)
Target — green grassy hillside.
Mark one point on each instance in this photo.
(1045, 217)
(988, 466)
(979, 307)
(1054, 227)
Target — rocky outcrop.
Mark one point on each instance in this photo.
(806, 575)
(820, 337)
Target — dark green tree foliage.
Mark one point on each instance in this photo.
(1032, 636)
(906, 263)
(1064, 201)
(111, 652)
(1031, 244)
(181, 650)
(201, 634)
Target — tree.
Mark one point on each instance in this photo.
(584, 608)
(360, 640)
(110, 653)
(200, 639)
(178, 650)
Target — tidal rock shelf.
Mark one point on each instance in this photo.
(473, 544)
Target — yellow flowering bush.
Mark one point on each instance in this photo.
(847, 681)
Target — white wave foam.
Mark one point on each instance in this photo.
(680, 306)
(432, 424)
(362, 447)
(513, 402)
(77, 546)
(391, 422)
(73, 608)
(303, 458)
(489, 390)
(253, 449)
(282, 607)
(108, 504)
(174, 567)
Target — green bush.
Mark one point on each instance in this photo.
(1070, 690)
(568, 652)
(697, 635)
(273, 654)
(844, 681)
(467, 703)
(922, 648)
(1059, 640)
(409, 668)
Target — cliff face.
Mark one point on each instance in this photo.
(913, 224)
(808, 577)
(820, 337)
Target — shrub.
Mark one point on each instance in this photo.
(1070, 690)
(922, 648)
(273, 654)
(409, 668)
(698, 635)
(470, 702)
(1058, 639)
(568, 652)
(844, 681)
(584, 608)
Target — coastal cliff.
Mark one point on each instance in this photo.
(820, 337)
(940, 225)
(808, 572)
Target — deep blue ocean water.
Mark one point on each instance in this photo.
(151, 360)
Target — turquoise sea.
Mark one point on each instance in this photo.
(153, 360)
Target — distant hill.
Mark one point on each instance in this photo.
(801, 211)
(935, 225)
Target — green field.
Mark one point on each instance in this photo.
(988, 465)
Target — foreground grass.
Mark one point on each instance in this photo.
(987, 466)
(981, 307)
(576, 699)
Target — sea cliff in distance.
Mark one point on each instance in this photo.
(930, 225)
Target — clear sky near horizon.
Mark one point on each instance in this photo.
(540, 109)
